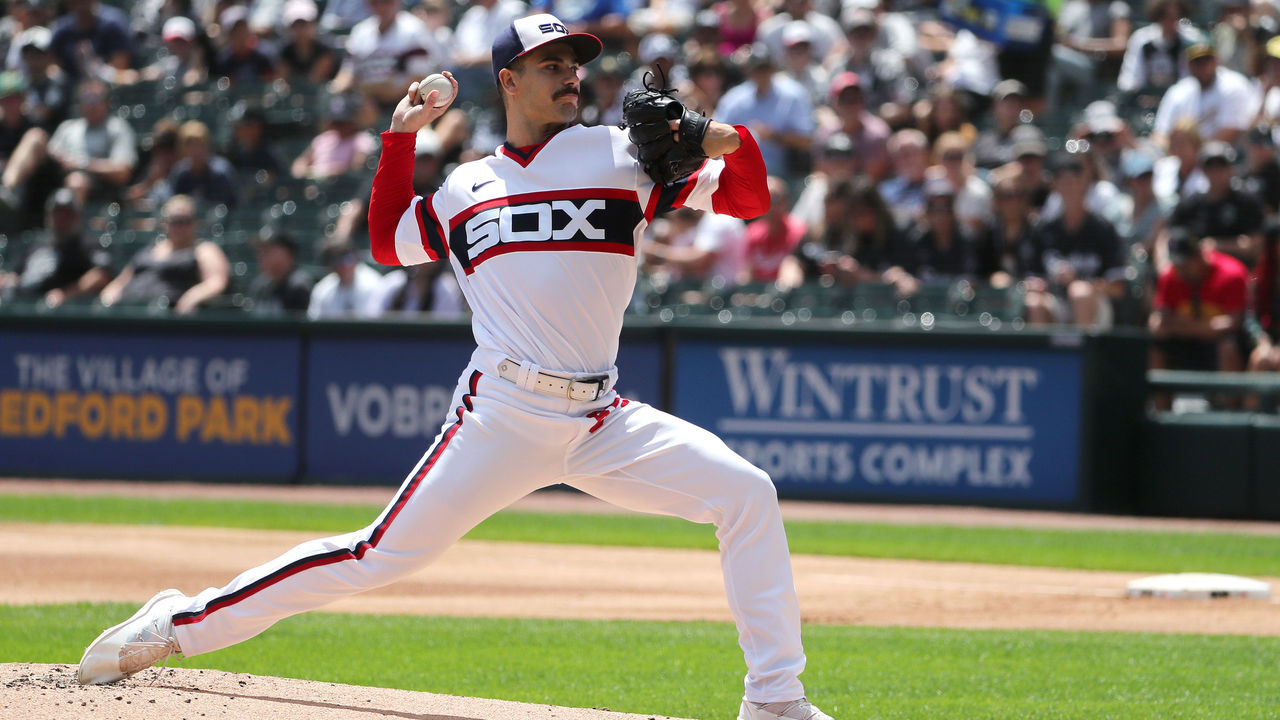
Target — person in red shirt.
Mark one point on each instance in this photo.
(773, 236)
(1199, 308)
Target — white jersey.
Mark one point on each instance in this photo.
(544, 244)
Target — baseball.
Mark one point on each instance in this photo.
(437, 82)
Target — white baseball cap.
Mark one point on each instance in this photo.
(178, 27)
(295, 10)
(527, 33)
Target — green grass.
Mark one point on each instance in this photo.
(1132, 551)
(694, 669)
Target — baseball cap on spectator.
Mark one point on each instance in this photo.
(1201, 49)
(796, 32)
(759, 57)
(178, 28)
(1066, 162)
(1008, 88)
(855, 17)
(527, 33)
(269, 236)
(426, 142)
(36, 37)
(838, 145)
(657, 45)
(298, 10)
(12, 83)
(1182, 245)
(938, 188)
(843, 81)
(232, 16)
(1136, 163)
(1100, 116)
(62, 199)
(1217, 151)
(342, 108)
(1028, 140)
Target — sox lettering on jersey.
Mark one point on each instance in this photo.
(587, 223)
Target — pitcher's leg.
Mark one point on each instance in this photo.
(477, 466)
(647, 460)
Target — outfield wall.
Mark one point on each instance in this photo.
(1047, 420)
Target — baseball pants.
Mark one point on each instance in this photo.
(503, 442)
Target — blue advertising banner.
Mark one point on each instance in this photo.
(375, 405)
(164, 406)
(941, 423)
(1018, 24)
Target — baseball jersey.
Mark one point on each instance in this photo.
(544, 239)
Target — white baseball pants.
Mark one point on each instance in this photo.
(504, 442)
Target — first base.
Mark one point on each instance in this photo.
(1199, 586)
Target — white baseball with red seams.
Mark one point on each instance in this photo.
(440, 84)
(544, 243)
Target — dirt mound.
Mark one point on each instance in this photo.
(50, 692)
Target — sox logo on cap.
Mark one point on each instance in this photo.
(527, 33)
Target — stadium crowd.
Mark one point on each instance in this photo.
(1113, 164)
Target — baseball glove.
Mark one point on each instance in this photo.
(646, 116)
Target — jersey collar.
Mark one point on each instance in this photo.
(525, 155)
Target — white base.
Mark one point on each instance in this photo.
(1199, 586)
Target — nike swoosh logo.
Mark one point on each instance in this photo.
(479, 185)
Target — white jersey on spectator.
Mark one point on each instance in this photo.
(330, 299)
(1229, 104)
(407, 51)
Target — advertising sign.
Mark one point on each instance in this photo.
(954, 424)
(165, 406)
(375, 405)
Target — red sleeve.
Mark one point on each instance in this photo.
(1164, 299)
(742, 192)
(1235, 294)
(392, 194)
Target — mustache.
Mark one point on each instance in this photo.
(565, 91)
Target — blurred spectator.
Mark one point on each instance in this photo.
(970, 66)
(774, 107)
(410, 291)
(239, 59)
(202, 176)
(672, 17)
(850, 242)
(937, 248)
(22, 146)
(162, 156)
(883, 70)
(1091, 42)
(347, 289)
(1029, 153)
(64, 263)
(93, 40)
(739, 23)
(1269, 80)
(339, 149)
(305, 57)
(1234, 37)
(387, 51)
(1199, 308)
(868, 134)
(697, 246)
(954, 163)
(98, 150)
(944, 110)
(994, 146)
(177, 271)
(602, 94)
(48, 88)
(1229, 216)
(280, 287)
(1107, 136)
(772, 237)
(705, 37)
(341, 16)
(659, 55)
(1007, 250)
(903, 190)
(825, 34)
(248, 152)
(708, 75)
(1221, 101)
(473, 39)
(1154, 60)
(437, 15)
(1102, 197)
(834, 164)
(428, 162)
(1147, 217)
(1080, 251)
(1264, 321)
(1178, 174)
(1262, 173)
(20, 16)
(182, 63)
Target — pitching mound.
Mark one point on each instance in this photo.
(50, 692)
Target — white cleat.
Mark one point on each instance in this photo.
(135, 644)
(800, 709)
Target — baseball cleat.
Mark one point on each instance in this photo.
(800, 709)
(135, 644)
